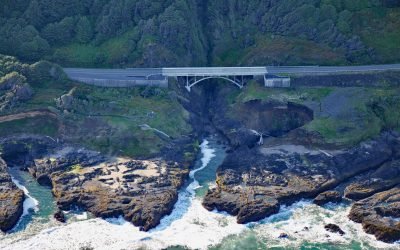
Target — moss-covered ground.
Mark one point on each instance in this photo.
(105, 119)
(342, 116)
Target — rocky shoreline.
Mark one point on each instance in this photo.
(141, 191)
(274, 161)
(11, 200)
(259, 180)
(271, 161)
(253, 184)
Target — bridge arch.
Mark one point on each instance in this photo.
(234, 81)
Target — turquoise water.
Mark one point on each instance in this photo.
(46, 205)
(190, 226)
(206, 177)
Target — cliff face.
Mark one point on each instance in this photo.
(194, 32)
(11, 200)
(291, 144)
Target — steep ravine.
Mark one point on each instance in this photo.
(255, 180)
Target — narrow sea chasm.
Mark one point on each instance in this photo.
(192, 226)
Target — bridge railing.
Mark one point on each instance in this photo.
(215, 71)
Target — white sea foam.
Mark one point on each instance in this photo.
(304, 222)
(193, 226)
(30, 203)
(190, 224)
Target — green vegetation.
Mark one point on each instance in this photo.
(104, 119)
(109, 120)
(104, 33)
(342, 116)
(255, 91)
(76, 169)
(37, 125)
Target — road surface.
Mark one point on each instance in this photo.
(161, 73)
(330, 69)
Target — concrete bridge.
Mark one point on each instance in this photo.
(236, 75)
(159, 76)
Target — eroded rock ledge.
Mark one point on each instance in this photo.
(253, 183)
(11, 200)
(141, 191)
(380, 214)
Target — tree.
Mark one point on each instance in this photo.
(34, 49)
(84, 31)
(34, 15)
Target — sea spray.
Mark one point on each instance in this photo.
(193, 226)
(30, 203)
(190, 224)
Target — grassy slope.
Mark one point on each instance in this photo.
(112, 52)
(361, 113)
(90, 121)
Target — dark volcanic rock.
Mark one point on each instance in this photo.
(59, 216)
(256, 210)
(142, 191)
(334, 229)
(380, 215)
(11, 200)
(283, 236)
(257, 181)
(326, 197)
(384, 178)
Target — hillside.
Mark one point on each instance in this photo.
(37, 99)
(105, 33)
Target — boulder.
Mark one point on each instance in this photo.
(59, 216)
(326, 197)
(334, 229)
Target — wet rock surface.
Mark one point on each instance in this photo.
(11, 200)
(253, 183)
(327, 197)
(381, 179)
(380, 215)
(141, 191)
(59, 216)
(333, 228)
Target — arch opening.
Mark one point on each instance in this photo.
(233, 81)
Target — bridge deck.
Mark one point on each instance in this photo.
(215, 71)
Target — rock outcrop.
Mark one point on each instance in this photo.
(380, 215)
(142, 191)
(384, 178)
(251, 184)
(333, 228)
(11, 200)
(328, 196)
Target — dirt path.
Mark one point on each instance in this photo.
(23, 115)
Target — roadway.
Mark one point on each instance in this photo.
(330, 69)
(114, 74)
(161, 73)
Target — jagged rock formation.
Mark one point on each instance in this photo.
(328, 196)
(11, 200)
(251, 184)
(142, 191)
(380, 214)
